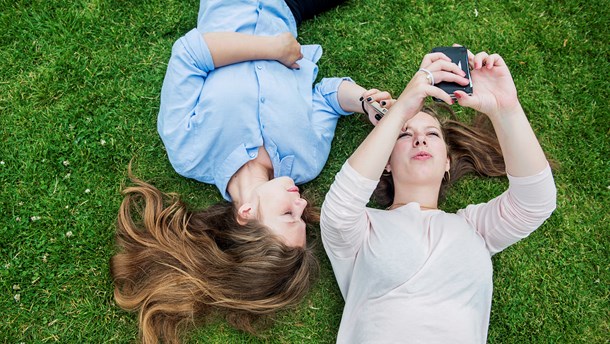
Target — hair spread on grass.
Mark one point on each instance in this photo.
(472, 148)
(177, 267)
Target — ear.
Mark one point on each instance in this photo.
(388, 167)
(245, 213)
(448, 164)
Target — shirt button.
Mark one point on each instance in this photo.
(262, 99)
(259, 67)
(252, 155)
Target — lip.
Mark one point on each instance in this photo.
(293, 189)
(422, 156)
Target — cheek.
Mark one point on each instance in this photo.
(401, 150)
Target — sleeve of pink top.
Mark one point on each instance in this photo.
(343, 220)
(516, 213)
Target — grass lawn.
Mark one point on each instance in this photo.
(79, 94)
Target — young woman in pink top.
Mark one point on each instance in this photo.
(413, 273)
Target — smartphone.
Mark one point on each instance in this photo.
(459, 56)
(380, 110)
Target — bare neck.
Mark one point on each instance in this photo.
(252, 174)
(425, 195)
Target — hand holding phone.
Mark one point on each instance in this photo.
(459, 56)
(380, 110)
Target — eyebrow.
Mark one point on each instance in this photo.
(427, 127)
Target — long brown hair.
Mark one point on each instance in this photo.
(176, 267)
(472, 148)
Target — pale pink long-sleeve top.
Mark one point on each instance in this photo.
(414, 276)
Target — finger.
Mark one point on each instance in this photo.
(479, 60)
(470, 59)
(387, 103)
(494, 60)
(368, 93)
(381, 96)
(295, 66)
(473, 101)
(432, 57)
(442, 65)
(450, 77)
(440, 94)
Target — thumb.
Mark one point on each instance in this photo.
(295, 66)
(465, 100)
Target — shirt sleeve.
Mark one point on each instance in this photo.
(343, 219)
(187, 70)
(326, 107)
(519, 211)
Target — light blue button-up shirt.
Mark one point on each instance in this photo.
(212, 120)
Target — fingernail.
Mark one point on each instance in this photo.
(383, 102)
(369, 99)
(361, 99)
(378, 117)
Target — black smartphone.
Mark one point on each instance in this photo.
(459, 56)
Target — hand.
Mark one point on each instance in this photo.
(383, 98)
(422, 86)
(494, 90)
(289, 50)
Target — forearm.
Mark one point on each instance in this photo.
(233, 47)
(373, 154)
(522, 152)
(349, 94)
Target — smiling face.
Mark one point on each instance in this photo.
(280, 206)
(420, 153)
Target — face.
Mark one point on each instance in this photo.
(280, 207)
(420, 153)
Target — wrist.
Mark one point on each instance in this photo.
(271, 47)
(507, 112)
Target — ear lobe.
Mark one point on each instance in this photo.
(388, 168)
(245, 213)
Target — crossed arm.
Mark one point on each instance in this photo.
(233, 47)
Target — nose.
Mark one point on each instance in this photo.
(299, 207)
(419, 139)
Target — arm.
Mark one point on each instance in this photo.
(371, 157)
(343, 219)
(531, 197)
(496, 96)
(512, 216)
(234, 47)
(344, 223)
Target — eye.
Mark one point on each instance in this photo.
(408, 134)
(434, 133)
(288, 213)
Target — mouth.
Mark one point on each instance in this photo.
(422, 155)
(293, 189)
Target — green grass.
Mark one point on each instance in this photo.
(79, 94)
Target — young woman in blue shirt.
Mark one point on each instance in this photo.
(238, 111)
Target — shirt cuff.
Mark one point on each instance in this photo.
(197, 48)
(329, 88)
